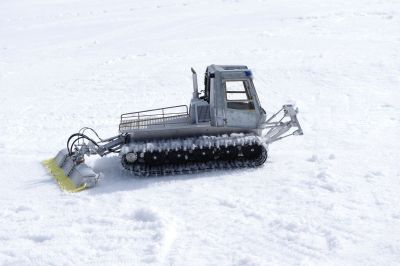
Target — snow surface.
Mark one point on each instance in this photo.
(330, 197)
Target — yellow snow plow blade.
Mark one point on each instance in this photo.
(63, 181)
(72, 176)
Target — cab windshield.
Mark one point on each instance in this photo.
(238, 95)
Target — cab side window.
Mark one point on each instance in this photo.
(238, 95)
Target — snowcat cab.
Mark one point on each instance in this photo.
(232, 98)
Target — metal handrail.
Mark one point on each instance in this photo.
(130, 126)
(150, 119)
(141, 120)
(157, 109)
(168, 114)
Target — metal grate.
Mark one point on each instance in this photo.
(153, 118)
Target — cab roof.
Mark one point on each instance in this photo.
(222, 68)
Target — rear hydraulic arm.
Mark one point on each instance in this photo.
(278, 130)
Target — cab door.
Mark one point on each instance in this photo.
(241, 106)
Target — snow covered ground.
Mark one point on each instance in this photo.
(330, 197)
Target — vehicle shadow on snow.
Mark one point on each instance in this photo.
(115, 178)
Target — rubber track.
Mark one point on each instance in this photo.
(142, 169)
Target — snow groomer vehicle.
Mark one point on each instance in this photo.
(224, 127)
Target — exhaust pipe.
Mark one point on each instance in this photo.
(195, 86)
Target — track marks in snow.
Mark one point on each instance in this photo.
(144, 231)
(281, 231)
(303, 238)
(322, 178)
(286, 228)
(145, 215)
(248, 260)
(39, 238)
(373, 177)
(142, 236)
(243, 208)
(323, 192)
(344, 197)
